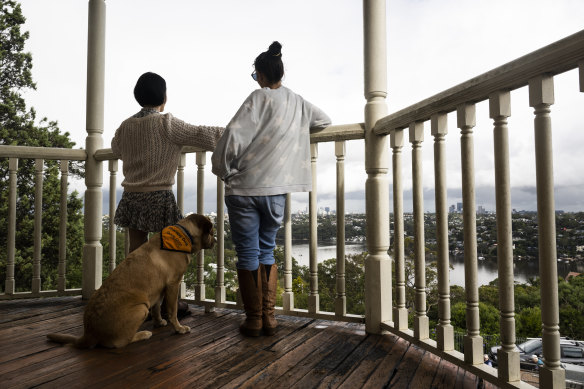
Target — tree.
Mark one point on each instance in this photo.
(17, 127)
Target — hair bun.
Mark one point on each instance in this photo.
(275, 49)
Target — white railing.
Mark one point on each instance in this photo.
(39, 154)
(537, 71)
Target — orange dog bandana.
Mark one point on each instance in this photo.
(176, 238)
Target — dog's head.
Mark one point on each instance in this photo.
(201, 229)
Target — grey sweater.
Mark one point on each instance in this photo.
(265, 149)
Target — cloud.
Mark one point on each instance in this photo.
(205, 51)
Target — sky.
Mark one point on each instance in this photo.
(205, 51)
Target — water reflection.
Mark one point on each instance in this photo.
(487, 269)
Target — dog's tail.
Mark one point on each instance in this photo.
(77, 341)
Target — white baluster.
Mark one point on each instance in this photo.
(200, 284)
(11, 238)
(220, 227)
(473, 342)
(445, 331)
(507, 357)
(180, 183)
(62, 268)
(400, 312)
(341, 299)
(421, 320)
(313, 298)
(288, 295)
(113, 170)
(541, 97)
(38, 220)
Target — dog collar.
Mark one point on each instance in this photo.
(176, 238)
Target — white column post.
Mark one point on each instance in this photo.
(92, 249)
(377, 262)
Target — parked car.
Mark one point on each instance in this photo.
(571, 351)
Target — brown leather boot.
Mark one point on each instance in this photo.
(269, 276)
(250, 286)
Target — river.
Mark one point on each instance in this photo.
(487, 270)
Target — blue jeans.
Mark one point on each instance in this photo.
(254, 222)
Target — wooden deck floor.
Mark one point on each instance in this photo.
(305, 353)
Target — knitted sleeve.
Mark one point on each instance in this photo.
(115, 144)
(185, 134)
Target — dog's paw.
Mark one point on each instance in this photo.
(183, 329)
(160, 323)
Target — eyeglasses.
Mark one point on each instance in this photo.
(254, 75)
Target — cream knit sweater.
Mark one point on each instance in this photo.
(150, 149)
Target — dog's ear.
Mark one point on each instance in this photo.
(205, 225)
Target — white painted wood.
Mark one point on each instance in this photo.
(421, 320)
(9, 287)
(62, 268)
(313, 297)
(377, 263)
(473, 342)
(558, 57)
(341, 298)
(113, 170)
(92, 249)
(541, 97)
(288, 295)
(400, 312)
(38, 227)
(220, 229)
(200, 283)
(445, 331)
(180, 183)
(507, 356)
(48, 153)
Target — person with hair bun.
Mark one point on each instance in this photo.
(264, 154)
(149, 144)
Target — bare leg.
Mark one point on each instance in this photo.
(137, 238)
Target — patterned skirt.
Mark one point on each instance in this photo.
(147, 211)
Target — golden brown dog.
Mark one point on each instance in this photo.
(152, 272)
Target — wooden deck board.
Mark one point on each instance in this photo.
(305, 353)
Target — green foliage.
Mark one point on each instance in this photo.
(528, 322)
(571, 295)
(17, 127)
(354, 283)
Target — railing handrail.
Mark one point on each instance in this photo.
(51, 153)
(329, 134)
(556, 58)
